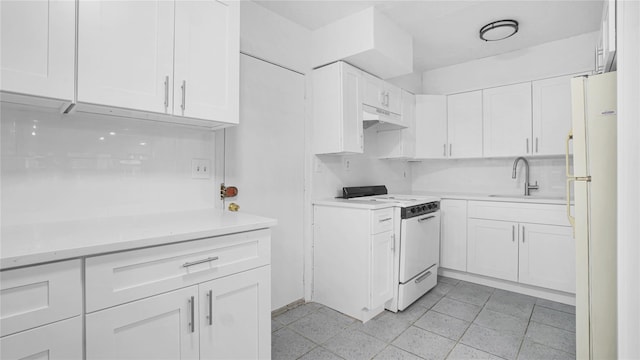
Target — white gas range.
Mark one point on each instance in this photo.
(418, 223)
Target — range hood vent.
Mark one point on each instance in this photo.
(384, 119)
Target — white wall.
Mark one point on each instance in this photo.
(330, 174)
(489, 176)
(269, 36)
(628, 14)
(562, 57)
(57, 168)
(411, 82)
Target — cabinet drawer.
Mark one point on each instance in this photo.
(381, 220)
(38, 295)
(126, 276)
(519, 212)
(57, 341)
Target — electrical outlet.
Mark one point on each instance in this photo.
(346, 164)
(200, 169)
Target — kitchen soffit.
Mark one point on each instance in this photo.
(446, 32)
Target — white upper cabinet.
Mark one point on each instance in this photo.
(507, 120)
(431, 127)
(382, 95)
(337, 109)
(179, 59)
(125, 54)
(551, 115)
(38, 48)
(464, 113)
(206, 62)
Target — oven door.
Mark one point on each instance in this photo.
(419, 245)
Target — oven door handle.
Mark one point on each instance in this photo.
(426, 218)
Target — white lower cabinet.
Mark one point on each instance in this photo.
(527, 243)
(226, 318)
(353, 259)
(235, 316)
(453, 234)
(58, 341)
(160, 327)
(547, 257)
(493, 249)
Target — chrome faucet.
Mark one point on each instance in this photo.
(527, 186)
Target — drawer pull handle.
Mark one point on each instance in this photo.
(423, 277)
(210, 317)
(427, 218)
(209, 259)
(192, 324)
(385, 219)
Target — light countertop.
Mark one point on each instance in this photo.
(354, 203)
(535, 199)
(43, 242)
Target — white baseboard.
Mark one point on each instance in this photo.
(553, 295)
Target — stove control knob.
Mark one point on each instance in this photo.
(430, 206)
(424, 208)
(413, 210)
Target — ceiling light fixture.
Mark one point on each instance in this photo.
(498, 30)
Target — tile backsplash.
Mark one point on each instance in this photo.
(64, 167)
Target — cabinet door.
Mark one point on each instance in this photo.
(374, 91)
(125, 54)
(464, 113)
(507, 120)
(352, 132)
(431, 127)
(38, 47)
(400, 143)
(207, 40)
(381, 269)
(57, 341)
(393, 100)
(235, 316)
(453, 234)
(548, 257)
(160, 327)
(551, 115)
(492, 248)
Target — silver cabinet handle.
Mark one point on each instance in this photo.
(385, 219)
(192, 323)
(450, 146)
(426, 218)
(537, 144)
(513, 233)
(184, 95)
(210, 317)
(527, 145)
(423, 277)
(444, 149)
(523, 234)
(387, 99)
(166, 93)
(209, 259)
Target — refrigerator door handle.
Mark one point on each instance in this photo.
(570, 178)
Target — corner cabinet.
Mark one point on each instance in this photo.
(431, 127)
(464, 125)
(38, 51)
(453, 234)
(337, 109)
(179, 59)
(354, 252)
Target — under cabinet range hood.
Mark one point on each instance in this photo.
(385, 120)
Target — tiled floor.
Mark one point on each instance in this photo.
(455, 320)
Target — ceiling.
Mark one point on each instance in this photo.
(446, 32)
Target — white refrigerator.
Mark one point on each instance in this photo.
(594, 220)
